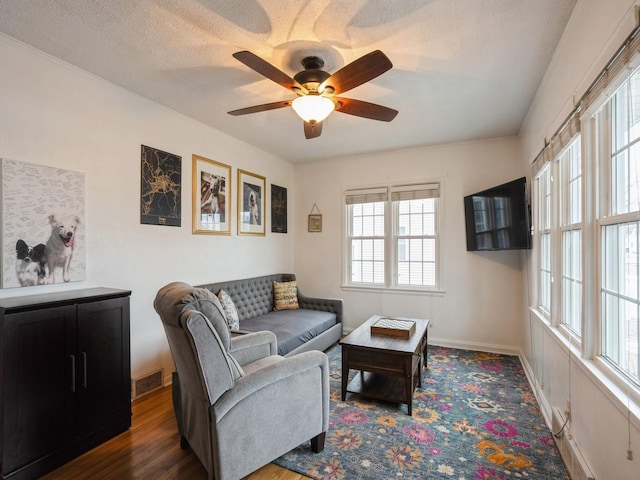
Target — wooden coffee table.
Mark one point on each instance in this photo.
(390, 367)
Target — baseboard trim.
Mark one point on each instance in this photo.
(475, 346)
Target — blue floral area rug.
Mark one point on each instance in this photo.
(474, 418)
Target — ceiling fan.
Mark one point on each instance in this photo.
(317, 89)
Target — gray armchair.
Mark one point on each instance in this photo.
(240, 404)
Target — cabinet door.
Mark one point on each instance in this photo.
(104, 358)
(39, 402)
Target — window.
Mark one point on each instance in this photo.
(543, 199)
(587, 224)
(366, 234)
(619, 220)
(569, 163)
(392, 237)
(415, 235)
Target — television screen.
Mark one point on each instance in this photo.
(498, 218)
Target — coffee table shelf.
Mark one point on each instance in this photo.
(378, 387)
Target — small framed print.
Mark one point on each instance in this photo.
(211, 191)
(315, 223)
(251, 203)
(278, 209)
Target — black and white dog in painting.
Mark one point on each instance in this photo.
(59, 247)
(30, 264)
(253, 207)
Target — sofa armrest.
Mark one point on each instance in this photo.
(250, 347)
(333, 305)
(286, 374)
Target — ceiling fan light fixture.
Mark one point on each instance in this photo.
(313, 108)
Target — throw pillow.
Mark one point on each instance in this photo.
(230, 310)
(285, 295)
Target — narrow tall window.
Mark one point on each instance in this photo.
(571, 224)
(366, 236)
(543, 183)
(415, 235)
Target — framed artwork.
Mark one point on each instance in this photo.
(43, 218)
(251, 203)
(315, 223)
(211, 189)
(315, 220)
(160, 187)
(278, 209)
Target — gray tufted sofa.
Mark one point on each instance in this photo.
(315, 326)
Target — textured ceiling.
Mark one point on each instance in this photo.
(462, 69)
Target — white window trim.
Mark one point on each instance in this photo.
(390, 257)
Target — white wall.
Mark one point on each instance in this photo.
(483, 299)
(53, 114)
(599, 418)
(56, 115)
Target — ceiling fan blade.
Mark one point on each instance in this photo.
(312, 130)
(261, 108)
(264, 68)
(365, 109)
(358, 72)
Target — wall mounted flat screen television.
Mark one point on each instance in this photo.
(499, 218)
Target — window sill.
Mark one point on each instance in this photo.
(394, 290)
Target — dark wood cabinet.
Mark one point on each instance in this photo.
(64, 377)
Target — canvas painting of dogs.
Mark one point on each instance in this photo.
(43, 211)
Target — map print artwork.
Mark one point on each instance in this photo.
(160, 188)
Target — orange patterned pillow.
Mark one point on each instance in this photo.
(285, 295)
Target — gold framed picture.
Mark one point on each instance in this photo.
(211, 191)
(251, 203)
(315, 223)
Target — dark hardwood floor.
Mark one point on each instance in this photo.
(149, 450)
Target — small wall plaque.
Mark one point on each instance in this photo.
(315, 220)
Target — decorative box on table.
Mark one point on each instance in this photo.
(393, 327)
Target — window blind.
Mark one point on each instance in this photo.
(567, 132)
(370, 195)
(612, 76)
(415, 192)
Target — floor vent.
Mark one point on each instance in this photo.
(147, 383)
(571, 455)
